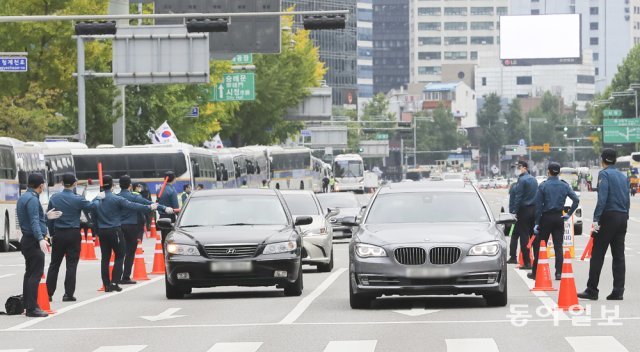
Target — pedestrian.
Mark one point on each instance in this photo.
(325, 184)
(610, 227)
(199, 187)
(332, 183)
(109, 209)
(524, 207)
(169, 198)
(244, 184)
(186, 192)
(33, 243)
(66, 236)
(264, 184)
(589, 181)
(133, 226)
(550, 200)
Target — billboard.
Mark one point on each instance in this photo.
(540, 40)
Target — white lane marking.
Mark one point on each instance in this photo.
(299, 309)
(15, 350)
(5, 276)
(595, 344)
(351, 346)
(167, 314)
(547, 301)
(465, 345)
(416, 311)
(128, 348)
(61, 311)
(235, 347)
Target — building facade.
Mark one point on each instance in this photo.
(458, 97)
(365, 50)
(451, 32)
(634, 23)
(390, 45)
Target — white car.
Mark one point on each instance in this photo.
(577, 215)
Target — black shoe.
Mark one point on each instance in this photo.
(526, 267)
(615, 296)
(558, 277)
(113, 288)
(36, 313)
(532, 276)
(512, 260)
(127, 282)
(51, 298)
(67, 298)
(588, 295)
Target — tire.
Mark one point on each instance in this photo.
(499, 299)
(295, 289)
(577, 230)
(172, 291)
(326, 268)
(6, 244)
(359, 300)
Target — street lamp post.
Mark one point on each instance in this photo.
(631, 92)
(415, 139)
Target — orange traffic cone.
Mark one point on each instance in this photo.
(111, 265)
(568, 296)
(152, 229)
(43, 296)
(543, 274)
(146, 231)
(139, 266)
(90, 251)
(83, 248)
(158, 257)
(520, 260)
(587, 251)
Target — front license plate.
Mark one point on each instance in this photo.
(428, 272)
(231, 267)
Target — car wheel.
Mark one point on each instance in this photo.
(499, 299)
(359, 300)
(6, 244)
(577, 230)
(326, 268)
(295, 289)
(172, 291)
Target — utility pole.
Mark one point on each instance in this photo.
(82, 109)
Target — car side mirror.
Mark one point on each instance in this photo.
(303, 220)
(350, 221)
(506, 219)
(164, 224)
(332, 212)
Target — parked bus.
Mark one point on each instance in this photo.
(348, 170)
(257, 164)
(58, 161)
(290, 168)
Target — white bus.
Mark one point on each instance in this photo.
(348, 170)
(291, 168)
(58, 161)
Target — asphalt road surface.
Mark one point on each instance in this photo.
(261, 319)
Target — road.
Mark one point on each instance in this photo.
(250, 319)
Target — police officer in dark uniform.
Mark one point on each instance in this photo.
(33, 244)
(513, 243)
(109, 210)
(610, 227)
(550, 200)
(524, 199)
(133, 226)
(169, 198)
(66, 237)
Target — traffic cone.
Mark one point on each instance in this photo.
(158, 257)
(139, 266)
(83, 248)
(520, 260)
(97, 240)
(154, 232)
(90, 252)
(568, 296)
(543, 274)
(587, 251)
(43, 296)
(111, 265)
(146, 231)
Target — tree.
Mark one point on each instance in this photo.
(437, 132)
(550, 110)
(493, 137)
(515, 122)
(28, 117)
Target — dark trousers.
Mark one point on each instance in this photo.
(613, 228)
(34, 268)
(524, 229)
(164, 233)
(65, 242)
(552, 224)
(111, 240)
(132, 233)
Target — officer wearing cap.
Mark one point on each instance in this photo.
(66, 236)
(610, 227)
(523, 205)
(109, 211)
(169, 198)
(33, 244)
(133, 226)
(550, 200)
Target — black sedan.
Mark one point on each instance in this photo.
(239, 237)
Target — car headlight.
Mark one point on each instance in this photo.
(486, 249)
(182, 249)
(315, 232)
(367, 251)
(280, 247)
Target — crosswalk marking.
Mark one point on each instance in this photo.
(351, 346)
(128, 348)
(235, 347)
(22, 350)
(595, 344)
(465, 345)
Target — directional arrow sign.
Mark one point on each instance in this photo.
(416, 311)
(235, 87)
(166, 315)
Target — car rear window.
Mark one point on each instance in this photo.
(338, 200)
(301, 204)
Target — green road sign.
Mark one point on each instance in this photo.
(612, 113)
(235, 87)
(242, 59)
(382, 136)
(621, 130)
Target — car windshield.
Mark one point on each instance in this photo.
(338, 200)
(233, 210)
(453, 176)
(427, 208)
(301, 204)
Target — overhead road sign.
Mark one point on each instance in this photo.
(612, 113)
(621, 131)
(14, 64)
(235, 87)
(242, 59)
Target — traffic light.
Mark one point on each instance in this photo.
(96, 28)
(546, 148)
(360, 149)
(566, 128)
(208, 25)
(315, 22)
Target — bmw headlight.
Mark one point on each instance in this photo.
(486, 249)
(182, 249)
(280, 247)
(367, 251)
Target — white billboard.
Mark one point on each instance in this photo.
(540, 39)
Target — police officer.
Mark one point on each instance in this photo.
(169, 198)
(33, 244)
(109, 210)
(244, 184)
(199, 187)
(513, 242)
(185, 194)
(133, 226)
(550, 200)
(610, 227)
(325, 184)
(66, 236)
(524, 199)
(264, 184)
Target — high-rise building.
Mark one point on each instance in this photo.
(606, 29)
(365, 50)
(634, 22)
(451, 32)
(390, 45)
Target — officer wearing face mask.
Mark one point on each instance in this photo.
(524, 207)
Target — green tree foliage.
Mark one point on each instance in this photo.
(437, 131)
(493, 137)
(516, 129)
(550, 110)
(377, 111)
(353, 130)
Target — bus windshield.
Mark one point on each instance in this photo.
(347, 168)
